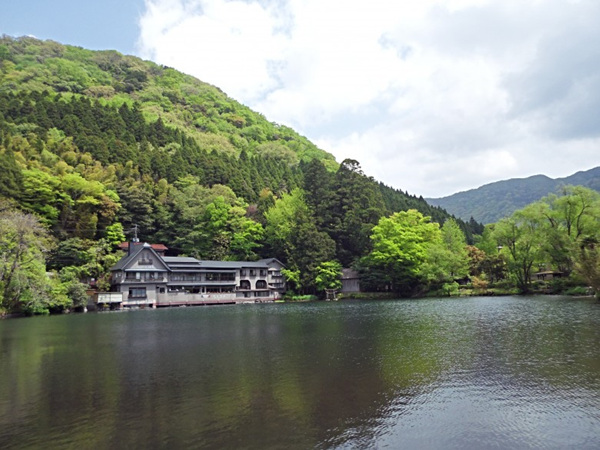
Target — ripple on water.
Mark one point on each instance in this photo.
(471, 373)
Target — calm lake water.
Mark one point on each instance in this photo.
(474, 373)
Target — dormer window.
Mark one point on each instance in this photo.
(145, 262)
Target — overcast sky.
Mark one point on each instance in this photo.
(430, 96)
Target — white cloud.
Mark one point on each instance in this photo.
(432, 97)
(229, 44)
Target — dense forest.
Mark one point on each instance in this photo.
(93, 144)
(96, 144)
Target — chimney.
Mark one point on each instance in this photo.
(133, 241)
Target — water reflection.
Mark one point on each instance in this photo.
(467, 373)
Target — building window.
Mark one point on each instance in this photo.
(245, 284)
(252, 272)
(262, 294)
(218, 276)
(145, 262)
(137, 292)
(185, 277)
(261, 284)
(243, 273)
(143, 276)
(263, 273)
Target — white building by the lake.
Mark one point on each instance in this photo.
(147, 278)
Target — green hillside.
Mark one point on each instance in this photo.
(494, 201)
(95, 143)
(207, 115)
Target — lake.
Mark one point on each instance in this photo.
(469, 373)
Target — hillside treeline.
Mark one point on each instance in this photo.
(95, 144)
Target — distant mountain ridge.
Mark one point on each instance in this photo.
(492, 202)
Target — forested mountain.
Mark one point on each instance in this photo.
(95, 142)
(494, 201)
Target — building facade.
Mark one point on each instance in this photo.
(144, 277)
(350, 281)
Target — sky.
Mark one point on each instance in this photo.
(432, 97)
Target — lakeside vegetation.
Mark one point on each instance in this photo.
(95, 143)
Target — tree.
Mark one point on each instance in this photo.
(455, 245)
(137, 206)
(24, 286)
(476, 258)
(212, 223)
(358, 205)
(328, 275)
(570, 219)
(246, 235)
(400, 250)
(41, 194)
(11, 180)
(521, 239)
(320, 196)
(588, 264)
(309, 248)
(280, 221)
(292, 278)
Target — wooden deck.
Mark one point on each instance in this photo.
(175, 299)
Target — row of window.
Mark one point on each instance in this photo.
(218, 276)
(145, 262)
(260, 284)
(185, 277)
(252, 272)
(137, 292)
(154, 276)
(143, 276)
(209, 276)
(141, 291)
(257, 294)
(198, 289)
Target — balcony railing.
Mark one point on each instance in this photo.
(143, 280)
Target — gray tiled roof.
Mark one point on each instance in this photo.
(127, 259)
(179, 259)
(232, 264)
(180, 263)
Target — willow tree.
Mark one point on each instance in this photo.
(572, 221)
(521, 238)
(588, 264)
(447, 259)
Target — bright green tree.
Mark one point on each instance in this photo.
(280, 221)
(569, 219)
(24, 285)
(401, 245)
(522, 240)
(328, 275)
(447, 258)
